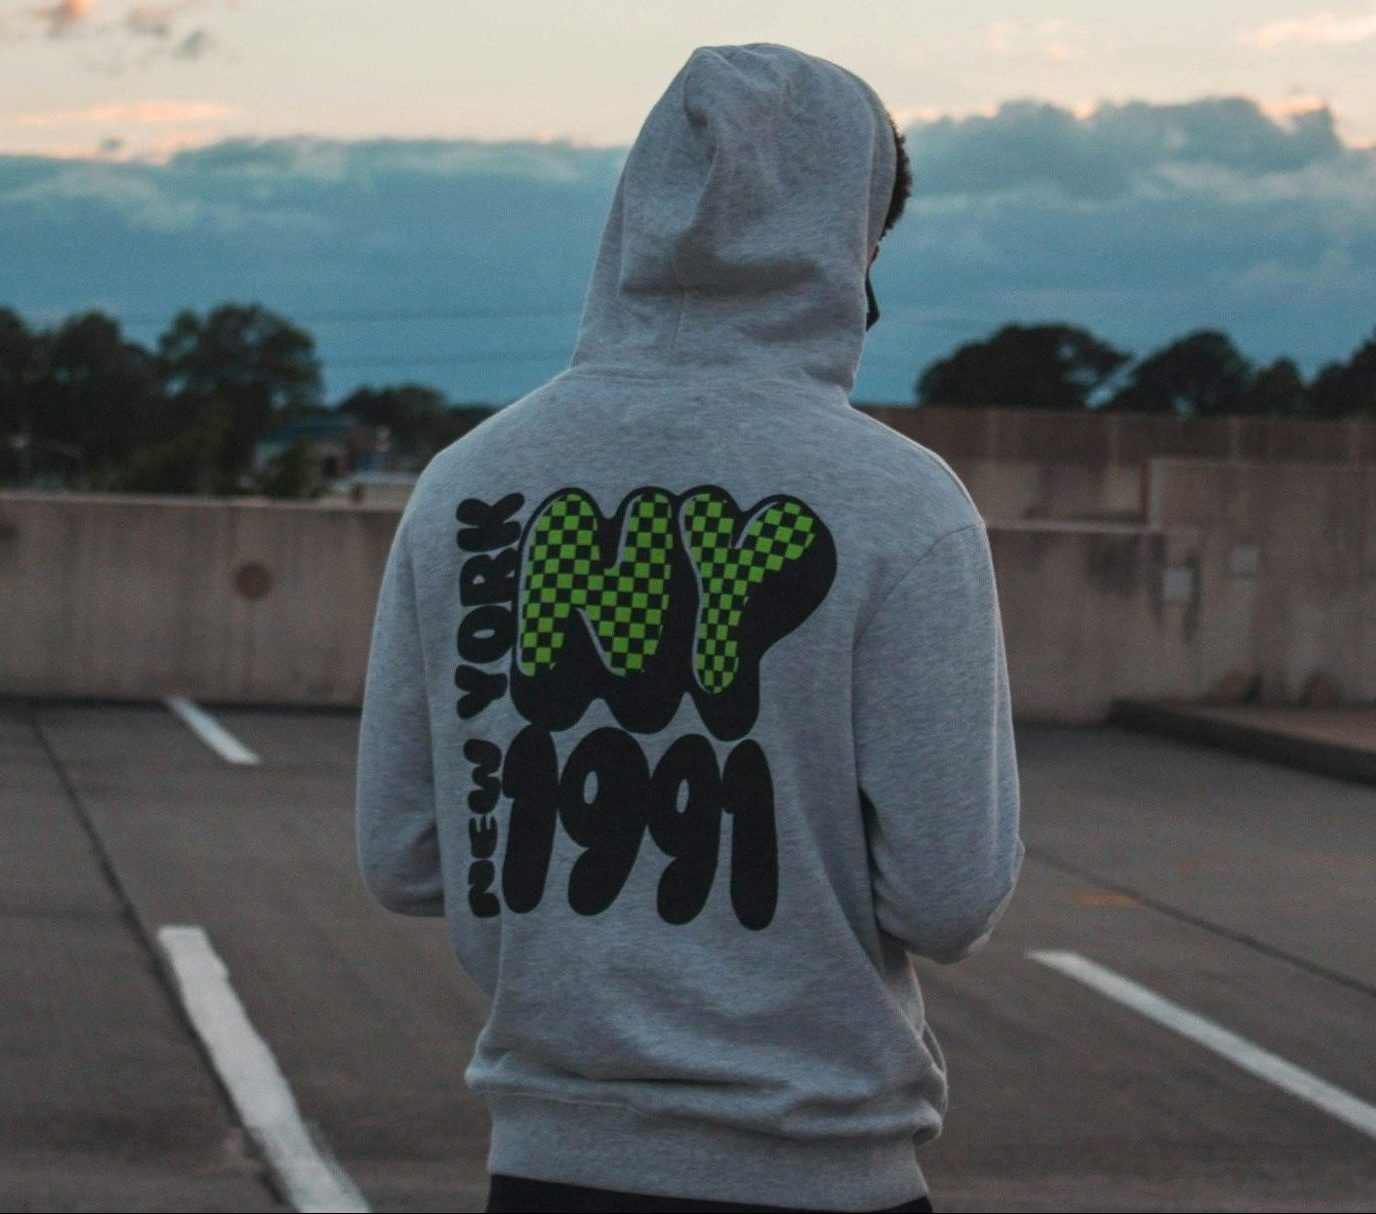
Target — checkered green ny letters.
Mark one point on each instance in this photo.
(728, 575)
(626, 604)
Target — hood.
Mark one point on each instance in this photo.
(739, 235)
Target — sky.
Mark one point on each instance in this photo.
(422, 182)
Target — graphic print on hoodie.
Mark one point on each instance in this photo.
(687, 704)
(673, 595)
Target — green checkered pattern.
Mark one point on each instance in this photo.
(564, 569)
(729, 574)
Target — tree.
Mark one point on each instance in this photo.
(1277, 391)
(409, 411)
(186, 463)
(22, 354)
(95, 391)
(1199, 375)
(1035, 366)
(1347, 389)
(292, 472)
(263, 367)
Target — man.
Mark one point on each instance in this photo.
(687, 703)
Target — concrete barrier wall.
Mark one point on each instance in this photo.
(1092, 612)
(237, 601)
(1007, 491)
(232, 600)
(1287, 554)
(1065, 436)
(1239, 574)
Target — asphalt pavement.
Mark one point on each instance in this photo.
(1224, 904)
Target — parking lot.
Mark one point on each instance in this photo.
(1177, 1013)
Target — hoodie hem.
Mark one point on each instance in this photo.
(610, 1146)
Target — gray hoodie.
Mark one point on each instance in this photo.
(687, 701)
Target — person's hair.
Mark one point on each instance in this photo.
(902, 181)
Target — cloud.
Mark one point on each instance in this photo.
(1001, 36)
(1138, 220)
(195, 45)
(1315, 29)
(127, 113)
(370, 161)
(158, 27)
(56, 19)
(155, 20)
(1114, 149)
(1051, 38)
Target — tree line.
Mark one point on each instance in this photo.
(1201, 374)
(84, 406)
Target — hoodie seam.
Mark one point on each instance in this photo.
(907, 573)
(673, 251)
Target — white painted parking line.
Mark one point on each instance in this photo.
(1238, 1050)
(310, 1177)
(210, 731)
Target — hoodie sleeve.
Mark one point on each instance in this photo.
(397, 835)
(935, 752)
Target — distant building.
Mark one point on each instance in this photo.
(340, 445)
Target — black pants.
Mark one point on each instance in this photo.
(521, 1195)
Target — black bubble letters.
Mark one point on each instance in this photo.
(673, 595)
